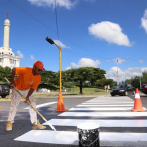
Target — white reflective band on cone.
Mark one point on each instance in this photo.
(137, 96)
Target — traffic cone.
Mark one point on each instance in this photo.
(0, 106)
(137, 102)
(60, 105)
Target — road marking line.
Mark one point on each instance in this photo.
(68, 137)
(103, 105)
(100, 122)
(108, 103)
(103, 114)
(104, 109)
(42, 105)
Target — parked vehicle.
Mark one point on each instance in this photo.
(125, 89)
(4, 90)
(143, 88)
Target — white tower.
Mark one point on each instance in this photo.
(7, 57)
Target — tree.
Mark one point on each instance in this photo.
(102, 82)
(82, 75)
(144, 77)
(5, 72)
(49, 79)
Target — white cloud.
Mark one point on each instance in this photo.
(119, 60)
(32, 57)
(20, 54)
(110, 32)
(144, 21)
(59, 43)
(86, 62)
(140, 61)
(124, 74)
(68, 4)
(67, 68)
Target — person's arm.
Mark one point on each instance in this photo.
(12, 77)
(28, 95)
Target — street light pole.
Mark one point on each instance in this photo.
(60, 106)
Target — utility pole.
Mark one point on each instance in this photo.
(117, 74)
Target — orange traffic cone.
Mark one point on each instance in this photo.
(60, 105)
(137, 102)
(0, 106)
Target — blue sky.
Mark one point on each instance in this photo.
(90, 32)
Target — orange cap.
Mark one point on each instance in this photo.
(39, 64)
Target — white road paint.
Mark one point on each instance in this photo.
(104, 105)
(103, 109)
(42, 105)
(108, 103)
(47, 136)
(68, 137)
(100, 122)
(104, 114)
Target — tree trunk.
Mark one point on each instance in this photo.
(81, 87)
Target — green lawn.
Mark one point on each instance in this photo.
(73, 91)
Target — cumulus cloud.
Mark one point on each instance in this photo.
(110, 32)
(20, 54)
(140, 61)
(32, 57)
(59, 43)
(68, 4)
(86, 62)
(67, 68)
(124, 74)
(144, 21)
(119, 60)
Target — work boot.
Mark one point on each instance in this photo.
(9, 126)
(38, 125)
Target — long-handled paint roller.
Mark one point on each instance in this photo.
(33, 107)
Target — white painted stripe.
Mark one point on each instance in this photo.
(103, 114)
(42, 105)
(47, 136)
(134, 137)
(68, 137)
(104, 109)
(107, 103)
(100, 122)
(103, 105)
(137, 96)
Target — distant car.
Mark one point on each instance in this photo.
(4, 90)
(143, 88)
(125, 89)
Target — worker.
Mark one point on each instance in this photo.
(26, 82)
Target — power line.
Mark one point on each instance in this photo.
(50, 28)
(56, 20)
(61, 35)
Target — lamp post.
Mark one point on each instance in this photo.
(60, 106)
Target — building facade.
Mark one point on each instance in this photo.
(7, 57)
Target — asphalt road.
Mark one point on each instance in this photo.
(22, 122)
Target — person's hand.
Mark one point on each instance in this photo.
(27, 101)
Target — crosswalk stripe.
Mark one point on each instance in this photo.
(68, 137)
(42, 105)
(100, 122)
(103, 114)
(103, 105)
(104, 109)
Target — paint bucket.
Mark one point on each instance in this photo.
(88, 134)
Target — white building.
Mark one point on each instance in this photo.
(7, 57)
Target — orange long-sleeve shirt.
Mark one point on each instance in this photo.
(26, 79)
